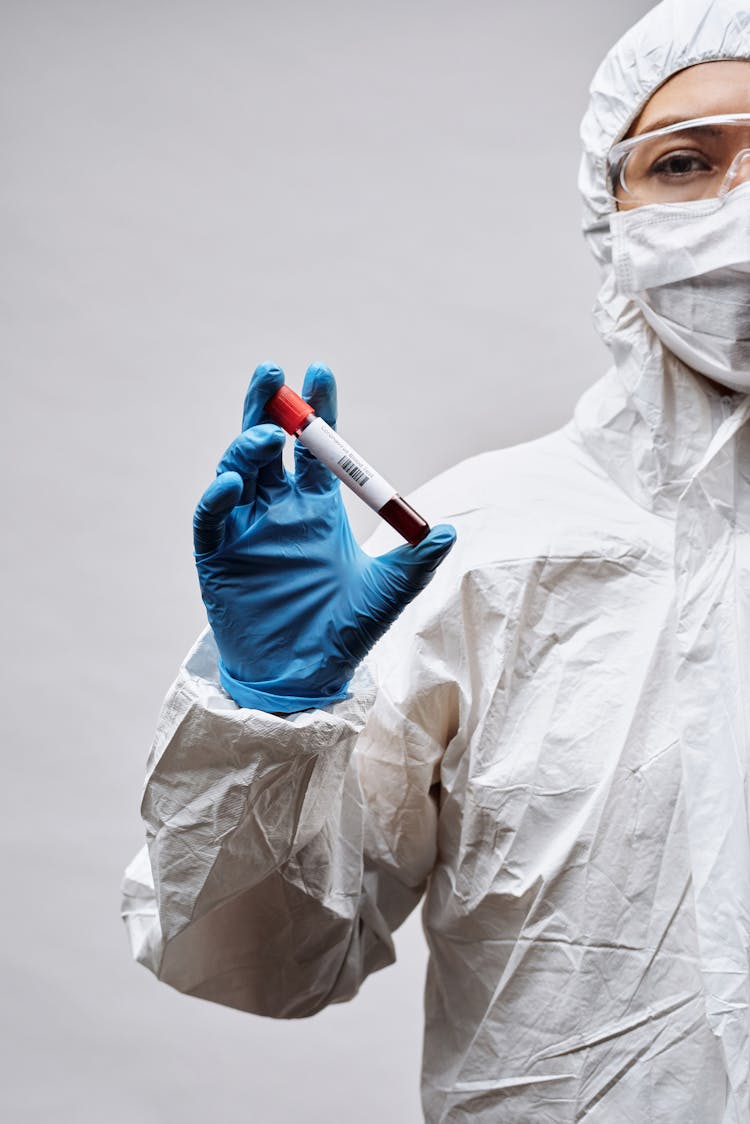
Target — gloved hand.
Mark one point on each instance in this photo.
(293, 601)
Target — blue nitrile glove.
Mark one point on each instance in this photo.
(293, 601)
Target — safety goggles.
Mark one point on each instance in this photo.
(699, 159)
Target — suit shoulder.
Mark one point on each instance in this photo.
(542, 497)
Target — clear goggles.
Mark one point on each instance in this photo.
(699, 159)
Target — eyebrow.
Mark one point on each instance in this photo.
(665, 122)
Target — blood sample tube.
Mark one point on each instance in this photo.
(298, 418)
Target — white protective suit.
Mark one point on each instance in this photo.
(551, 743)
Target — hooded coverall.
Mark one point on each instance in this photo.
(549, 748)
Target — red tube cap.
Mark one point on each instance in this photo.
(288, 410)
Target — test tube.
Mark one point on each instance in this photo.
(298, 418)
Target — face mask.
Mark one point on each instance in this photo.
(687, 267)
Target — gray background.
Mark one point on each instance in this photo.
(188, 189)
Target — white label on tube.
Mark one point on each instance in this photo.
(324, 443)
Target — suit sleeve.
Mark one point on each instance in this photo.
(283, 851)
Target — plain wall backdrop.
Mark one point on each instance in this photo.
(189, 188)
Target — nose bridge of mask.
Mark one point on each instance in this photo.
(661, 244)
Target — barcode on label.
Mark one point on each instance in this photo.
(353, 470)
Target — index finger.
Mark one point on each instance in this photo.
(266, 380)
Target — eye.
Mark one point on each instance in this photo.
(680, 165)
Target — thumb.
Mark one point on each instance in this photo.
(393, 580)
(412, 567)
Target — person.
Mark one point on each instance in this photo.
(544, 731)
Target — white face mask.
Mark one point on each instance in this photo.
(687, 267)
